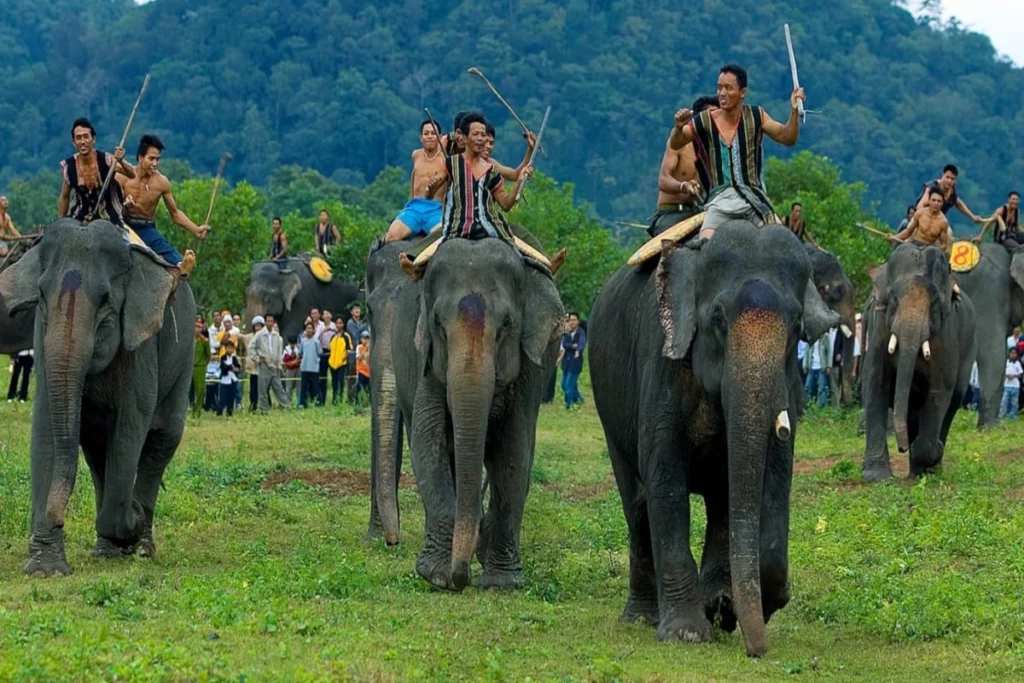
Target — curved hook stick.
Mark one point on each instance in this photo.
(124, 139)
(477, 72)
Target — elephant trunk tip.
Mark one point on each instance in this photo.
(460, 574)
(902, 440)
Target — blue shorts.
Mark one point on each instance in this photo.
(147, 232)
(420, 215)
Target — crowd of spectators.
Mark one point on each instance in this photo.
(233, 359)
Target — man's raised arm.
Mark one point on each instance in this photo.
(962, 208)
(682, 133)
(786, 134)
(905, 234)
(179, 217)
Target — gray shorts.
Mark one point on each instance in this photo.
(729, 205)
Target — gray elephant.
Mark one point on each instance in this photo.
(114, 343)
(384, 278)
(837, 291)
(996, 288)
(917, 361)
(472, 345)
(695, 379)
(290, 296)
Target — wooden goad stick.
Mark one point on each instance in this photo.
(124, 140)
(477, 72)
(224, 159)
(533, 154)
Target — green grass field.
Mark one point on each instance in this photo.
(261, 574)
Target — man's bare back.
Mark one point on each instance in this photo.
(142, 196)
(425, 167)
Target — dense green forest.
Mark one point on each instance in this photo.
(339, 86)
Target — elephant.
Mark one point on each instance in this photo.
(837, 291)
(695, 378)
(114, 344)
(472, 345)
(917, 360)
(384, 277)
(996, 288)
(290, 296)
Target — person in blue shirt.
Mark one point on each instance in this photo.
(570, 356)
(309, 368)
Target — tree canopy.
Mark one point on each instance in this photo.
(340, 87)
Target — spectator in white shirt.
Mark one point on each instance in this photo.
(1011, 386)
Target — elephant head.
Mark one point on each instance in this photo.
(94, 297)
(270, 290)
(486, 321)
(734, 311)
(917, 290)
(837, 292)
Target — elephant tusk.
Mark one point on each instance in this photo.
(782, 428)
(926, 349)
(892, 344)
(847, 332)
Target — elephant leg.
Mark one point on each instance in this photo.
(432, 464)
(926, 447)
(875, 389)
(715, 577)
(642, 602)
(665, 476)
(160, 446)
(509, 475)
(778, 479)
(120, 522)
(46, 554)
(991, 358)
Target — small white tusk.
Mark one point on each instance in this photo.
(847, 332)
(926, 349)
(782, 429)
(892, 344)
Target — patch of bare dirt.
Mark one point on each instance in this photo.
(581, 493)
(1016, 494)
(1009, 456)
(338, 481)
(899, 462)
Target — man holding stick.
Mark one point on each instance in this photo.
(506, 172)
(679, 192)
(422, 213)
(142, 197)
(946, 185)
(928, 226)
(84, 174)
(7, 229)
(728, 144)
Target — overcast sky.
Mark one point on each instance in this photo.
(1000, 20)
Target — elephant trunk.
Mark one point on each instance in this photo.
(388, 447)
(67, 355)
(905, 364)
(470, 390)
(911, 330)
(752, 415)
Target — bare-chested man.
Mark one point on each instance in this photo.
(7, 229)
(84, 174)
(504, 171)
(142, 197)
(422, 213)
(679, 191)
(928, 226)
(730, 169)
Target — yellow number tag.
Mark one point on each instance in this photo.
(964, 257)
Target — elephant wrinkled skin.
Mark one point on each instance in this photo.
(695, 378)
(114, 346)
(917, 359)
(472, 345)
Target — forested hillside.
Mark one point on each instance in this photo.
(339, 86)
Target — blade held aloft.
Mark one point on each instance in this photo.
(792, 68)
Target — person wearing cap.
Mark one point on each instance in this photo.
(230, 368)
(363, 365)
(266, 352)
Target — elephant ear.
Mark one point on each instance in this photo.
(291, 285)
(818, 318)
(676, 283)
(1016, 289)
(19, 284)
(543, 315)
(149, 287)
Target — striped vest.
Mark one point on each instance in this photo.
(739, 165)
(469, 207)
(85, 200)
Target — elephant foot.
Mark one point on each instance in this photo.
(925, 457)
(876, 471)
(435, 570)
(112, 549)
(688, 628)
(641, 608)
(46, 556)
(720, 612)
(146, 547)
(494, 579)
